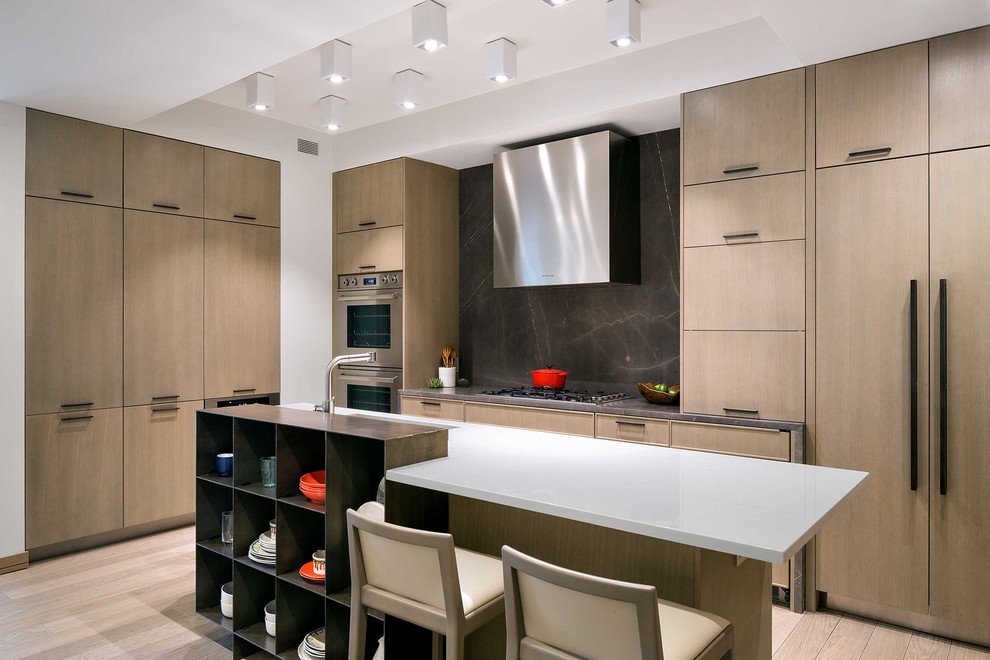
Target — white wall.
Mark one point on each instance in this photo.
(11, 329)
(307, 276)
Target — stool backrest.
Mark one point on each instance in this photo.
(553, 612)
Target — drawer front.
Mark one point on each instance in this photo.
(741, 441)
(762, 209)
(959, 79)
(162, 175)
(749, 374)
(241, 188)
(873, 106)
(433, 408)
(748, 128)
(757, 286)
(634, 429)
(369, 197)
(371, 251)
(555, 421)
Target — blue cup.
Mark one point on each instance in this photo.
(225, 465)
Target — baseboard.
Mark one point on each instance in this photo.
(107, 538)
(13, 563)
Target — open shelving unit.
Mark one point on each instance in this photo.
(355, 451)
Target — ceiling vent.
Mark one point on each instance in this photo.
(307, 147)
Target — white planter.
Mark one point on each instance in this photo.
(448, 376)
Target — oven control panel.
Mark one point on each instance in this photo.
(391, 280)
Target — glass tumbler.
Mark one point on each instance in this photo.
(268, 472)
(227, 527)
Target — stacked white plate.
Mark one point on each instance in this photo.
(263, 550)
(314, 646)
(227, 600)
(270, 618)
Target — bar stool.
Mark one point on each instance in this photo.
(552, 613)
(419, 577)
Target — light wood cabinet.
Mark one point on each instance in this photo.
(872, 242)
(433, 408)
(872, 106)
(537, 419)
(72, 159)
(756, 286)
(960, 518)
(632, 429)
(73, 306)
(241, 188)
(959, 83)
(72, 475)
(163, 308)
(772, 444)
(370, 251)
(162, 175)
(241, 322)
(369, 197)
(751, 374)
(748, 128)
(761, 209)
(159, 461)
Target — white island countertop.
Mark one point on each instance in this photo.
(759, 509)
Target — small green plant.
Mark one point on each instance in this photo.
(463, 382)
(434, 383)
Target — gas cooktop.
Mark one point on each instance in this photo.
(550, 394)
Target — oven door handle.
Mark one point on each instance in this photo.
(380, 296)
(370, 379)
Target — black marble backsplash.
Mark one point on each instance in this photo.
(608, 337)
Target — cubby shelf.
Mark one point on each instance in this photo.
(354, 451)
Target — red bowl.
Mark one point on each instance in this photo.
(316, 479)
(315, 496)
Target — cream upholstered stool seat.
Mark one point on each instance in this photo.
(419, 577)
(552, 613)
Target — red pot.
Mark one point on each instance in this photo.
(549, 377)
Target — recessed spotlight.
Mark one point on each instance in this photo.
(408, 105)
(333, 127)
(335, 61)
(431, 45)
(622, 42)
(333, 112)
(622, 22)
(501, 78)
(429, 26)
(336, 78)
(407, 85)
(260, 107)
(500, 60)
(260, 91)
(556, 3)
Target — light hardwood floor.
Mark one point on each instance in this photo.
(135, 600)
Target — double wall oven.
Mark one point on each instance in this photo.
(368, 317)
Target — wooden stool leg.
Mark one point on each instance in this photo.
(358, 632)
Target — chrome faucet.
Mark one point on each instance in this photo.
(327, 406)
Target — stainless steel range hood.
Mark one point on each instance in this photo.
(567, 213)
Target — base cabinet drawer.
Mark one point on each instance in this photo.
(73, 481)
(633, 429)
(749, 374)
(720, 438)
(555, 421)
(369, 251)
(434, 408)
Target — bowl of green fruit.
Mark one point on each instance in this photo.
(660, 393)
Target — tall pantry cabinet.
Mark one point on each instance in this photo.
(129, 291)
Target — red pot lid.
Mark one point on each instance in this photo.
(550, 371)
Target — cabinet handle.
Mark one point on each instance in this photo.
(371, 266)
(882, 151)
(431, 403)
(740, 170)
(76, 405)
(943, 387)
(367, 224)
(75, 418)
(172, 207)
(246, 390)
(622, 422)
(914, 384)
(69, 193)
(241, 216)
(747, 411)
(169, 409)
(741, 234)
(164, 397)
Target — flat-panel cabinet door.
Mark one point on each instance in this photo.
(73, 306)
(872, 243)
(159, 461)
(162, 175)
(748, 128)
(72, 475)
(960, 235)
(241, 188)
(163, 308)
(369, 197)
(241, 279)
(72, 159)
(873, 106)
(371, 251)
(960, 90)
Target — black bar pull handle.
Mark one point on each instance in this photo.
(246, 390)
(882, 151)
(740, 170)
(367, 224)
(241, 216)
(169, 409)
(943, 387)
(367, 267)
(745, 411)
(70, 193)
(75, 418)
(164, 397)
(171, 207)
(913, 321)
(624, 422)
(77, 405)
(741, 234)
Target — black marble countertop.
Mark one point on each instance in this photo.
(634, 406)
